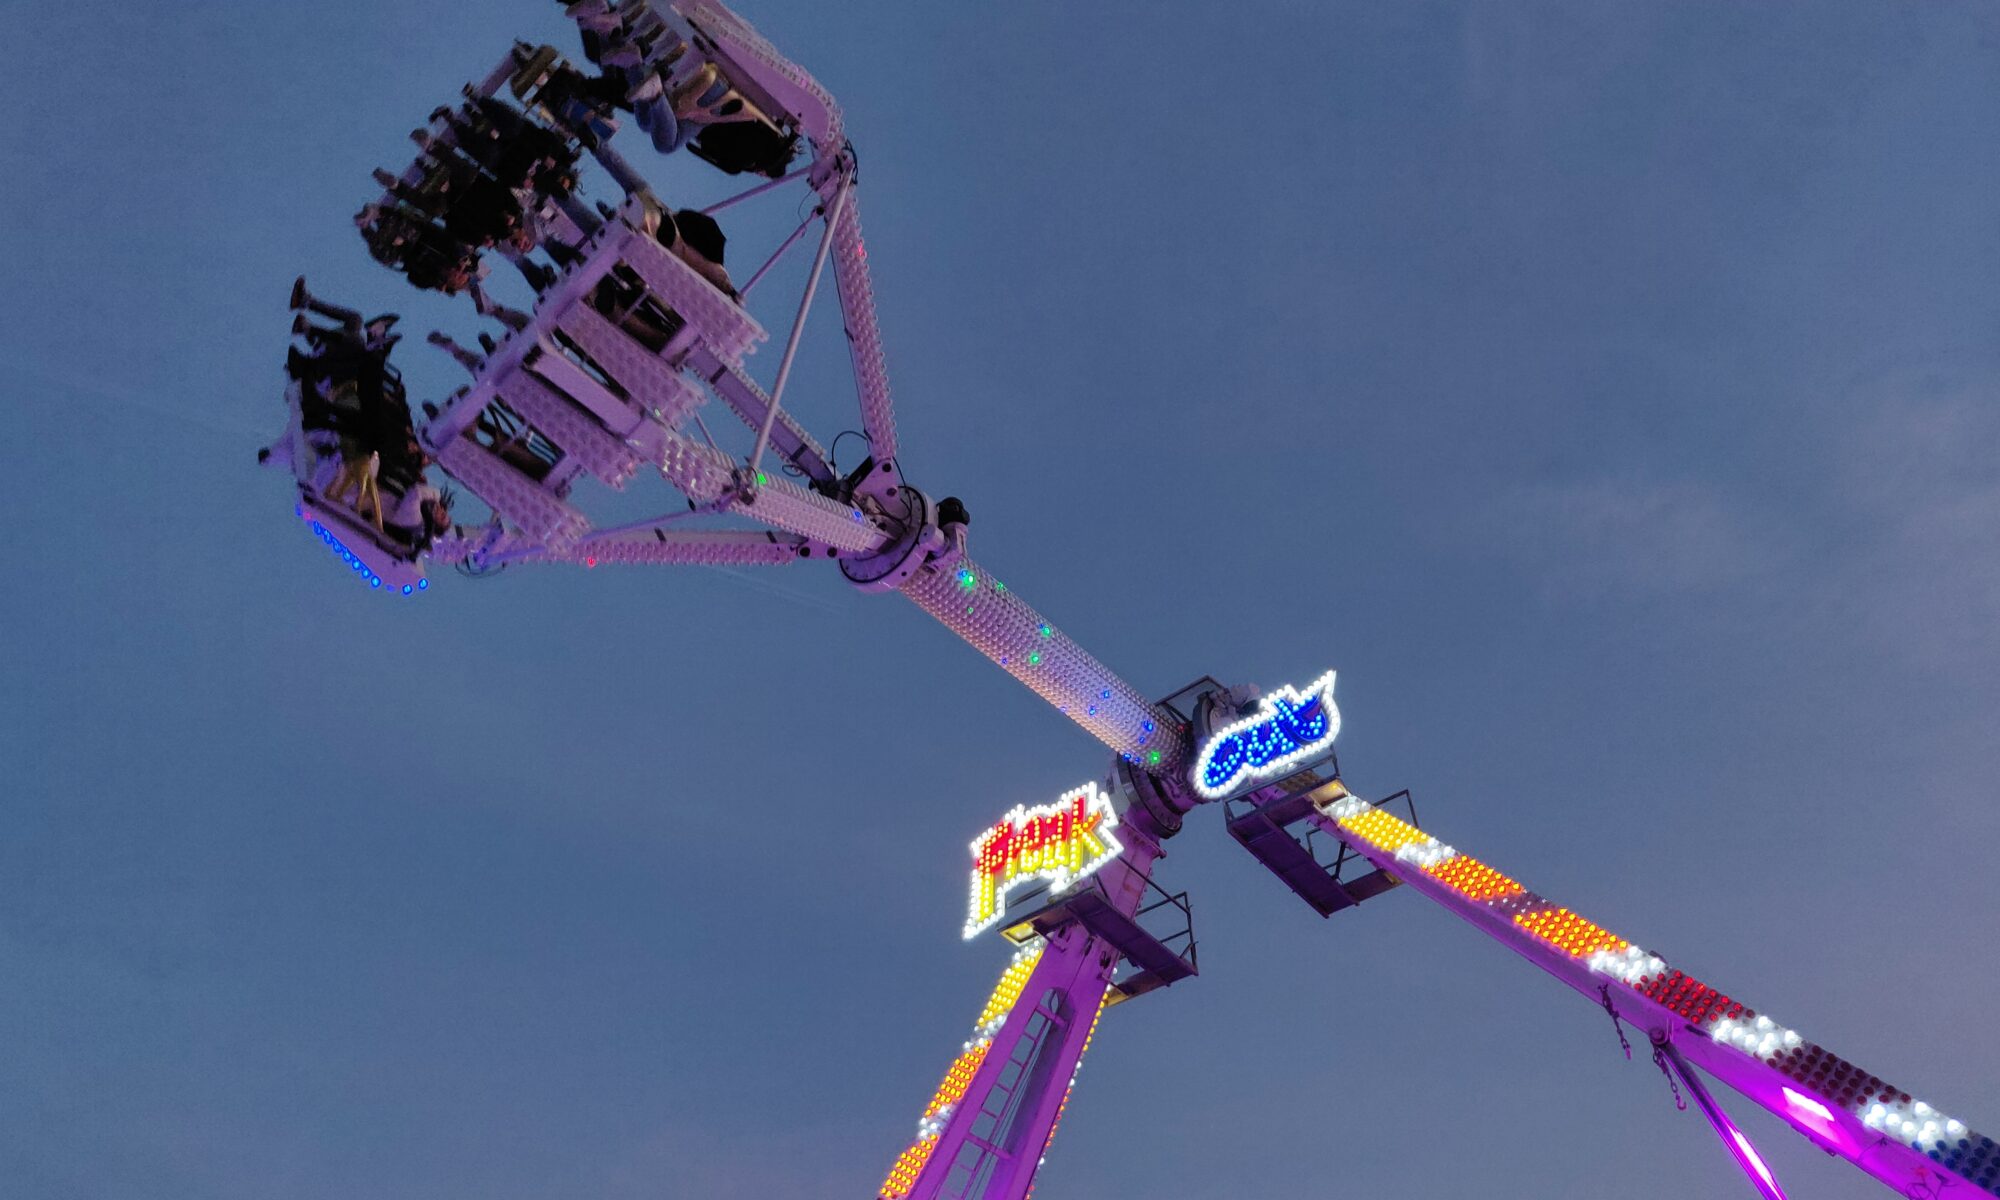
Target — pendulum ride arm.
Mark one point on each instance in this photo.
(575, 379)
(968, 600)
(1844, 1110)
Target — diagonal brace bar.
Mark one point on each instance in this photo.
(759, 190)
(799, 323)
(777, 254)
(1739, 1147)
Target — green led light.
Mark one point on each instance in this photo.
(1034, 658)
(762, 479)
(1045, 631)
(967, 580)
(998, 586)
(1152, 758)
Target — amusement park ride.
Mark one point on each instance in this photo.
(633, 332)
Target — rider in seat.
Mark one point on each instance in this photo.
(403, 237)
(753, 146)
(695, 239)
(351, 405)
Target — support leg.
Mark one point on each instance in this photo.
(1739, 1147)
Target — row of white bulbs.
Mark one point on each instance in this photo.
(1425, 854)
(1026, 955)
(1761, 1037)
(1917, 1125)
(1629, 965)
(1345, 807)
(931, 1128)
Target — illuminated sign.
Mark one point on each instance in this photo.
(1293, 725)
(1061, 842)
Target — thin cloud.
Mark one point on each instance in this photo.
(1918, 477)
(1629, 537)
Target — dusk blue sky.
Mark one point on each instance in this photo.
(1610, 391)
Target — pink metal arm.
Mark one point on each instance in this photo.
(1902, 1141)
(992, 1120)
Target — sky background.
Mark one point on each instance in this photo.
(1607, 390)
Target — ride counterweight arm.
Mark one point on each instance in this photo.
(969, 601)
(1904, 1142)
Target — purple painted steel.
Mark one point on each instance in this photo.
(998, 624)
(354, 540)
(623, 418)
(463, 409)
(993, 1142)
(1739, 1147)
(702, 473)
(1775, 1075)
(820, 118)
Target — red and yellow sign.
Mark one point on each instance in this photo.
(1061, 842)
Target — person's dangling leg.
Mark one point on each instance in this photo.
(655, 114)
(512, 318)
(336, 492)
(465, 358)
(306, 301)
(368, 494)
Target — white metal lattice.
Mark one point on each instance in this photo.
(513, 495)
(579, 434)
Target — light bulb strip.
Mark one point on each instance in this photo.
(958, 1077)
(1062, 1106)
(1842, 1108)
(355, 562)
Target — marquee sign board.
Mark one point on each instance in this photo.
(1292, 727)
(1063, 843)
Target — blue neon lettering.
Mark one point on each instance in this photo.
(1292, 726)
